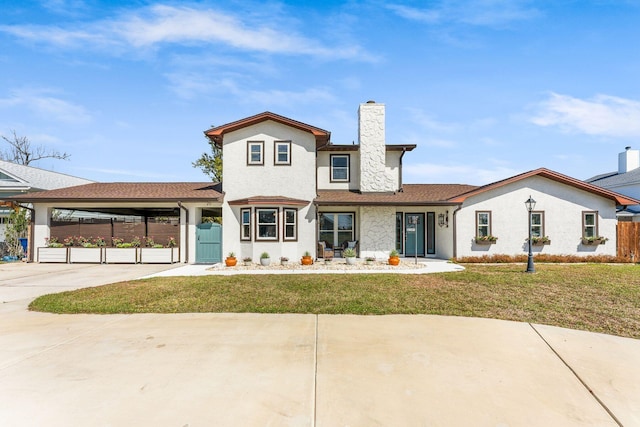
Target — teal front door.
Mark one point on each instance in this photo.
(414, 234)
(208, 243)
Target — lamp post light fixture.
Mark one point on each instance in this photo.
(530, 204)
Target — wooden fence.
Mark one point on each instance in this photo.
(629, 240)
(160, 229)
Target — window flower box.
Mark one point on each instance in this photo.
(486, 240)
(121, 255)
(53, 255)
(86, 255)
(540, 241)
(592, 241)
(158, 255)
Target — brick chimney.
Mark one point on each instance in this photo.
(371, 134)
(628, 160)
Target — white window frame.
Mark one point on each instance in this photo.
(294, 224)
(259, 224)
(276, 153)
(333, 168)
(539, 226)
(250, 145)
(245, 222)
(594, 226)
(479, 224)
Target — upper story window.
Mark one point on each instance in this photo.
(282, 153)
(267, 224)
(255, 153)
(589, 224)
(537, 224)
(483, 223)
(339, 168)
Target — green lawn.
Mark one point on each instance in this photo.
(594, 297)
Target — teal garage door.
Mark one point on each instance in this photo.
(208, 243)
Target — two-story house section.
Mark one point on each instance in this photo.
(269, 181)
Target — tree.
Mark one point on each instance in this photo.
(16, 229)
(21, 151)
(211, 163)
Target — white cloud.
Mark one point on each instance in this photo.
(602, 115)
(428, 123)
(487, 13)
(161, 24)
(43, 104)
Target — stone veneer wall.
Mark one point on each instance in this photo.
(371, 133)
(377, 231)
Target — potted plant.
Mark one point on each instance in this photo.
(306, 259)
(349, 256)
(247, 261)
(265, 259)
(486, 240)
(121, 252)
(231, 260)
(284, 260)
(53, 252)
(369, 260)
(394, 257)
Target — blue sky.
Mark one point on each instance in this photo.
(486, 89)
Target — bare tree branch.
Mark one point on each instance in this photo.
(21, 152)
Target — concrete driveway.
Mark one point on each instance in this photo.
(297, 370)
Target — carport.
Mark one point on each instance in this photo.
(193, 203)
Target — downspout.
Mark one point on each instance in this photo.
(404, 150)
(186, 233)
(455, 232)
(31, 230)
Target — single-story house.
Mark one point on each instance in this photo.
(16, 179)
(287, 187)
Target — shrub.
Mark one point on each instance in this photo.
(503, 258)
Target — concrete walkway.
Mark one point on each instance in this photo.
(298, 370)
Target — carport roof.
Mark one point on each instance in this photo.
(128, 192)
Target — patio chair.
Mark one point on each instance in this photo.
(324, 251)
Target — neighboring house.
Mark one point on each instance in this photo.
(16, 179)
(626, 180)
(287, 187)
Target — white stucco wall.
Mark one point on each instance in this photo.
(562, 205)
(374, 176)
(377, 231)
(324, 171)
(297, 181)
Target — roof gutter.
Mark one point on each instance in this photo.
(186, 232)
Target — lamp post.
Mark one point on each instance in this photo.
(530, 204)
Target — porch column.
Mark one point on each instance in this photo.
(41, 228)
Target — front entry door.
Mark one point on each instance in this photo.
(208, 243)
(414, 234)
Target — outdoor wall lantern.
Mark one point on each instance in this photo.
(443, 219)
(530, 204)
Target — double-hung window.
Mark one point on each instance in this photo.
(589, 224)
(339, 168)
(245, 218)
(266, 224)
(255, 153)
(290, 224)
(537, 224)
(483, 223)
(282, 153)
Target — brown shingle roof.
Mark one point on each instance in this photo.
(620, 199)
(269, 200)
(412, 194)
(217, 133)
(129, 192)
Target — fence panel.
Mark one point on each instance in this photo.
(629, 240)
